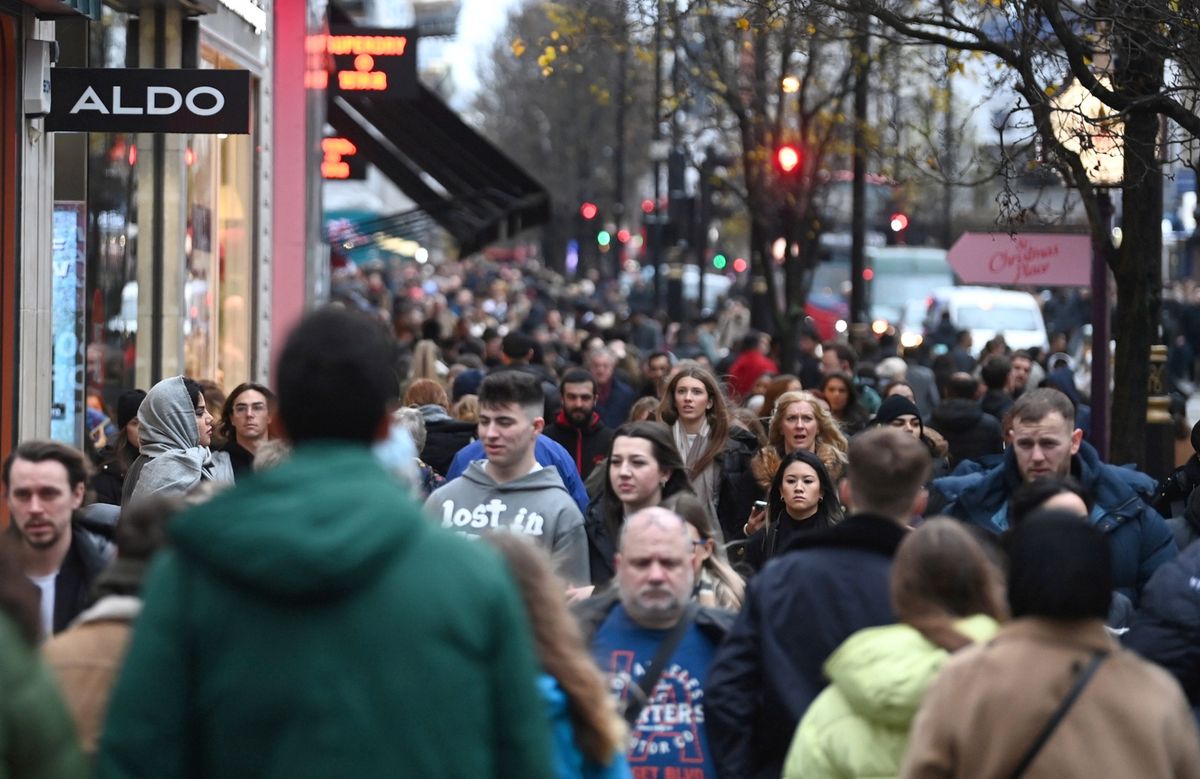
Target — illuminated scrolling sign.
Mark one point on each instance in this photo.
(366, 60)
(340, 160)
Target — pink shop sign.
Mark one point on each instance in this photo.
(1024, 259)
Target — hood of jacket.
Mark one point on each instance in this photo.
(317, 527)
(167, 419)
(883, 672)
(543, 487)
(956, 415)
(432, 412)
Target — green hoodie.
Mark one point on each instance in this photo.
(858, 726)
(313, 623)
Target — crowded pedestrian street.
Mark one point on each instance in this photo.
(705, 389)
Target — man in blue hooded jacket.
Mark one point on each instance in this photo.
(1045, 442)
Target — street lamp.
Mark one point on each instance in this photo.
(1085, 126)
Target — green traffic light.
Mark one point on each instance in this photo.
(719, 261)
(603, 238)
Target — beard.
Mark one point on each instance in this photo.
(579, 417)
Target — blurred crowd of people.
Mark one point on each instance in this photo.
(491, 524)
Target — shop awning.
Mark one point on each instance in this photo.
(452, 173)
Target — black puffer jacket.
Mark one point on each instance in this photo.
(738, 489)
(970, 433)
(444, 436)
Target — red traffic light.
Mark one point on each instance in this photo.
(647, 206)
(623, 236)
(740, 265)
(787, 158)
(899, 222)
(588, 210)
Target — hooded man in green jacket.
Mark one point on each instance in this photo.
(312, 623)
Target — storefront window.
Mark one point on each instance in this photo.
(220, 251)
(112, 245)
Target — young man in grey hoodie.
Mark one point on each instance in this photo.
(509, 491)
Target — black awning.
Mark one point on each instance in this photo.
(452, 173)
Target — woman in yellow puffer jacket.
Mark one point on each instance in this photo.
(947, 594)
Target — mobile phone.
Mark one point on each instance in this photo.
(760, 504)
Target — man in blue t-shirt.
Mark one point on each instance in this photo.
(655, 576)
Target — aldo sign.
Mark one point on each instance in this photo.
(150, 100)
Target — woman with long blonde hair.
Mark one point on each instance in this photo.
(717, 454)
(801, 421)
(589, 735)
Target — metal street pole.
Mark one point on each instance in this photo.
(858, 214)
(1099, 430)
(656, 136)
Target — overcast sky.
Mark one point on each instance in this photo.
(478, 25)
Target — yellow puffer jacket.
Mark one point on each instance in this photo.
(858, 726)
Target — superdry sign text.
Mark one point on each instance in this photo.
(149, 100)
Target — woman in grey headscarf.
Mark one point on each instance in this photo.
(175, 429)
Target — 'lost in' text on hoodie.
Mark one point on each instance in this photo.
(536, 504)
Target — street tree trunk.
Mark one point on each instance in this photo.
(1137, 266)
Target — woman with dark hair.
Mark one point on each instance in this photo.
(840, 393)
(717, 453)
(947, 594)
(116, 458)
(644, 468)
(802, 498)
(39, 738)
(176, 429)
(588, 734)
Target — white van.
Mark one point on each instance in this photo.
(987, 312)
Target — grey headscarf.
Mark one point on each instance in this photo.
(172, 461)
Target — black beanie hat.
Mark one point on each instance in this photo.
(128, 405)
(1059, 567)
(1196, 437)
(896, 406)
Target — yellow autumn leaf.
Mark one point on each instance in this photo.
(743, 24)
(550, 54)
(518, 47)
(1050, 90)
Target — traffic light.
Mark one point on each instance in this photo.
(604, 238)
(588, 210)
(740, 265)
(898, 224)
(719, 261)
(788, 159)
